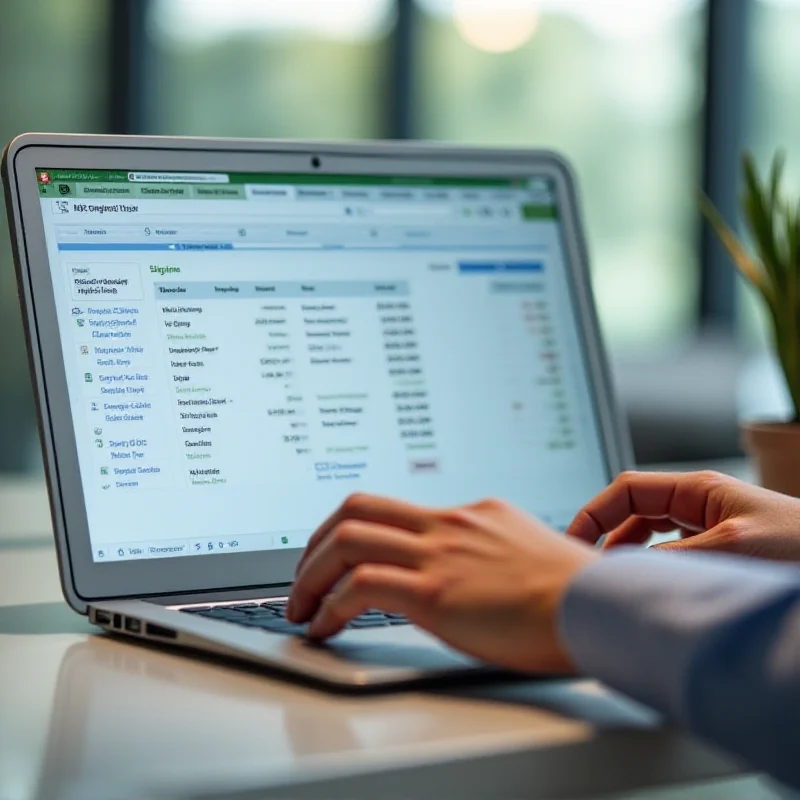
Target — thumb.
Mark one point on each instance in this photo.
(724, 537)
(680, 544)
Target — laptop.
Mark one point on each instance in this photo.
(229, 337)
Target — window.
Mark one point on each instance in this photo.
(774, 118)
(618, 88)
(246, 68)
(773, 123)
(51, 54)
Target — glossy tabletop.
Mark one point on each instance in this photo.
(83, 715)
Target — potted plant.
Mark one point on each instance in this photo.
(774, 271)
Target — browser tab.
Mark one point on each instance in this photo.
(437, 195)
(392, 193)
(105, 190)
(219, 192)
(267, 191)
(355, 193)
(164, 192)
(315, 193)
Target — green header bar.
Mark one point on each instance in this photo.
(47, 177)
(532, 212)
(142, 191)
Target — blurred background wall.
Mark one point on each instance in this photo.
(650, 99)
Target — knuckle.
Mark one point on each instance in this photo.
(491, 504)
(355, 503)
(458, 517)
(346, 533)
(363, 577)
(710, 478)
(431, 590)
(448, 546)
(627, 477)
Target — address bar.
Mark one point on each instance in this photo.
(178, 177)
(415, 210)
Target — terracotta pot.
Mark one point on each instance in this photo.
(775, 448)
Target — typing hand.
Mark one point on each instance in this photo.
(486, 578)
(712, 511)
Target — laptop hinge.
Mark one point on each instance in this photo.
(220, 595)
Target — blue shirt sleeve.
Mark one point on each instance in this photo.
(711, 641)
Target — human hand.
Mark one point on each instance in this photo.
(712, 511)
(485, 578)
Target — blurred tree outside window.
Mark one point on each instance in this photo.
(617, 87)
(304, 69)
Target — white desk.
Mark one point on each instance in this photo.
(84, 716)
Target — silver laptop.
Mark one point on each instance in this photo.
(229, 337)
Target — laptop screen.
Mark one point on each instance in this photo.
(242, 351)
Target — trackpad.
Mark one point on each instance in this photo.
(410, 648)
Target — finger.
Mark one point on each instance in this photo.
(681, 498)
(370, 508)
(349, 544)
(726, 536)
(389, 588)
(636, 530)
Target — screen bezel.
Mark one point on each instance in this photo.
(83, 579)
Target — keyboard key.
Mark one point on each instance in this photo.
(195, 610)
(375, 622)
(222, 613)
(282, 626)
(271, 616)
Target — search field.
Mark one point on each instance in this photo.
(178, 177)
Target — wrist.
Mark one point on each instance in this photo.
(583, 559)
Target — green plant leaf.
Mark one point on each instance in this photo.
(776, 175)
(731, 242)
(791, 333)
(774, 226)
(760, 218)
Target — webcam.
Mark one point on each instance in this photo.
(316, 162)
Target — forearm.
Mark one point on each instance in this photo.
(712, 642)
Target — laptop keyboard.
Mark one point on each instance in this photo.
(271, 616)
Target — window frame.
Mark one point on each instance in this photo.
(727, 62)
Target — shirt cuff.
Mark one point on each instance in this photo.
(636, 620)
